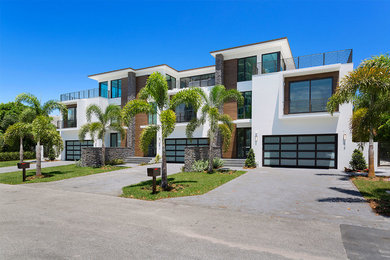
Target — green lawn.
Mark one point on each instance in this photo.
(374, 190)
(181, 184)
(54, 173)
(8, 163)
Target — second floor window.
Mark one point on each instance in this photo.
(103, 89)
(271, 62)
(171, 82)
(245, 111)
(152, 117)
(71, 119)
(198, 81)
(246, 67)
(116, 88)
(310, 95)
(184, 113)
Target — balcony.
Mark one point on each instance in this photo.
(66, 124)
(307, 61)
(89, 93)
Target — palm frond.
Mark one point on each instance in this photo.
(95, 110)
(53, 105)
(147, 135)
(30, 100)
(134, 107)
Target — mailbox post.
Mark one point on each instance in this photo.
(154, 172)
(24, 166)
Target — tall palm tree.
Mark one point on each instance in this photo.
(17, 131)
(219, 123)
(108, 119)
(156, 91)
(368, 88)
(37, 109)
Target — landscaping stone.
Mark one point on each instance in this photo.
(92, 156)
(193, 153)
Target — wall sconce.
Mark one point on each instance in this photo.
(345, 137)
(256, 138)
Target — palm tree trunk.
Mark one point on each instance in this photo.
(371, 169)
(211, 154)
(38, 155)
(164, 180)
(21, 150)
(103, 153)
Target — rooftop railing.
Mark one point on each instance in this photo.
(88, 93)
(307, 61)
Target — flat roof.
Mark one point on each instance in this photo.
(251, 44)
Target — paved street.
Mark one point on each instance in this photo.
(264, 214)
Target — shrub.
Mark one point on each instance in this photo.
(115, 162)
(217, 163)
(157, 158)
(250, 161)
(12, 156)
(78, 163)
(51, 154)
(200, 166)
(357, 162)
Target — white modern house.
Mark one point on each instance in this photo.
(284, 117)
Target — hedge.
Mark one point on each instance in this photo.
(12, 156)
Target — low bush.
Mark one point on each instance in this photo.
(12, 156)
(217, 163)
(357, 163)
(250, 161)
(157, 158)
(115, 162)
(200, 166)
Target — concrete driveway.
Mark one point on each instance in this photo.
(108, 183)
(44, 164)
(324, 195)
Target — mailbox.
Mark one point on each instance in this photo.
(152, 172)
(24, 165)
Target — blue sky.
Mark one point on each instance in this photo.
(49, 47)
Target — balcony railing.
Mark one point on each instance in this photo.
(88, 93)
(307, 61)
(202, 83)
(66, 124)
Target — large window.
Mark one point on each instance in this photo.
(103, 89)
(198, 81)
(245, 111)
(184, 113)
(246, 67)
(152, 117)
(271, 62)
(71, 119)
(309, 95)
(171, 82)
(116, 88)
(115, 140)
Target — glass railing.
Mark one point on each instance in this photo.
(88, 93)
(307, 61)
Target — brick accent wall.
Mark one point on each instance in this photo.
(140, 119)
(230, 108)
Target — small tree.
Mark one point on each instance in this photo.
(43, 131)
(156, 91)
(250, 161)
(357, 162)
(17, 132)
(110, 118)
(219, 123)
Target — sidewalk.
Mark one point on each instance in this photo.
(33, 166)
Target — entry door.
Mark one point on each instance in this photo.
(152, 148)
(243, 141)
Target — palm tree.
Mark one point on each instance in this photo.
(108, 119)
(156, 90)
(44, 131)
(219, 123)
(18, 128)
(368, 88)
(36, 109)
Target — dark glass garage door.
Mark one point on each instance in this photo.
(301, 151)
(73, 149)
(175, 147)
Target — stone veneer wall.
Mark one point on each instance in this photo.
(193, 153)
(92, 156)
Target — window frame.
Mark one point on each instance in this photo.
(333, 75)
(245, 69)
(100, 89)
(277, 64)
(243, 106)
(118, 87)
(201, 77)
(171, 81)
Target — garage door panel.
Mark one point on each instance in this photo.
(73, 149)
(312, 151)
